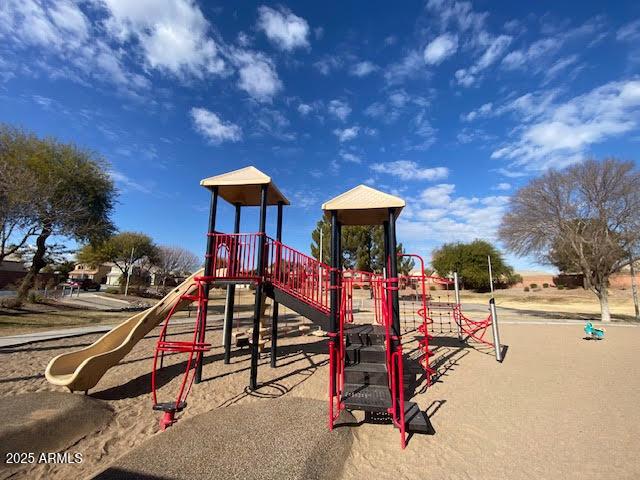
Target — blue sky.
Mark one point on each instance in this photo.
(451, 105)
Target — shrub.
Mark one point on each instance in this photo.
(356, 286)
(526, 289)
(11, 302)
(560, 287)
(432, 288)
(112, 290)
(534, 285)
(545, 285)
(34, 297)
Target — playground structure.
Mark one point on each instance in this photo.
(366, 361)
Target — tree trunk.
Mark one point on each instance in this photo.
(37, 264)
(603, 296)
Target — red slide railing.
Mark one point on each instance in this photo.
(298, 274)
(235, 257)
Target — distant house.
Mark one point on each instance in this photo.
(97, 274)
(12, 269)
(536, 277)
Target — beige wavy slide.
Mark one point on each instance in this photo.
(82, 369)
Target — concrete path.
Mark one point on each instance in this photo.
(281, 439)
(23, 339)
(95, 301)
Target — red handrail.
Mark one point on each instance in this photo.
(235, 257)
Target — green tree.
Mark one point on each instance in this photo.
(124, 249)
(68, 191)
(470, 261)
(362, 247)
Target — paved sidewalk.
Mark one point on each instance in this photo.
(15, 340)
(23, 339)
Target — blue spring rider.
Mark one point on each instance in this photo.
(593, 332)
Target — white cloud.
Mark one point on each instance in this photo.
(283, 28)
(115, 37)
(629, 32)
(496, 48)
(61, 30)
(458, 14)
(350, 157)
(346, 134)
(559, 134)
(126, 183)
(339, 109)
(273, 123)
(258, 76)
(482, 111)
(362, 69)
(503, 186)
(327, 64)
(173, 35)
(440, 48)
(438, 195)
(422, 128)
(213, 128)
(537, 50)
(408, 67)
(439, 216)
(305, 109)
(409, 170)
(560, 65)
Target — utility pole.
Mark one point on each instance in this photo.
(634, 286)
(126, 288)
(490, 275)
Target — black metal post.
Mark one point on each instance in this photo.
(274, 317)
(334, 298)
(231, 292)
(385, 226)
(208, 271)
(393, 273)
(333, 276)
(253, 380)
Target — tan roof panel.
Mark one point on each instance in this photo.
(363, 205)
(243, 187)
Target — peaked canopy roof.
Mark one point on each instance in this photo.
(243, 187)
(363, 205)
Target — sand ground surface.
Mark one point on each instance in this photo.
(558, 407)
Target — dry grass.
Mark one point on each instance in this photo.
(576, 301)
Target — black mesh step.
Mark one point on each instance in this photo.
(170, 406)
(365, 335)
(366, 374)
(363, 353)
(372, 398)
(416, 420)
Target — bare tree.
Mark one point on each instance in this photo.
(584, 219)
(174, 260)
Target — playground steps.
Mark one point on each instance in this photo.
(369, 398)
(366, 378)
(292, 302)
(362, 353)
(365, 335)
